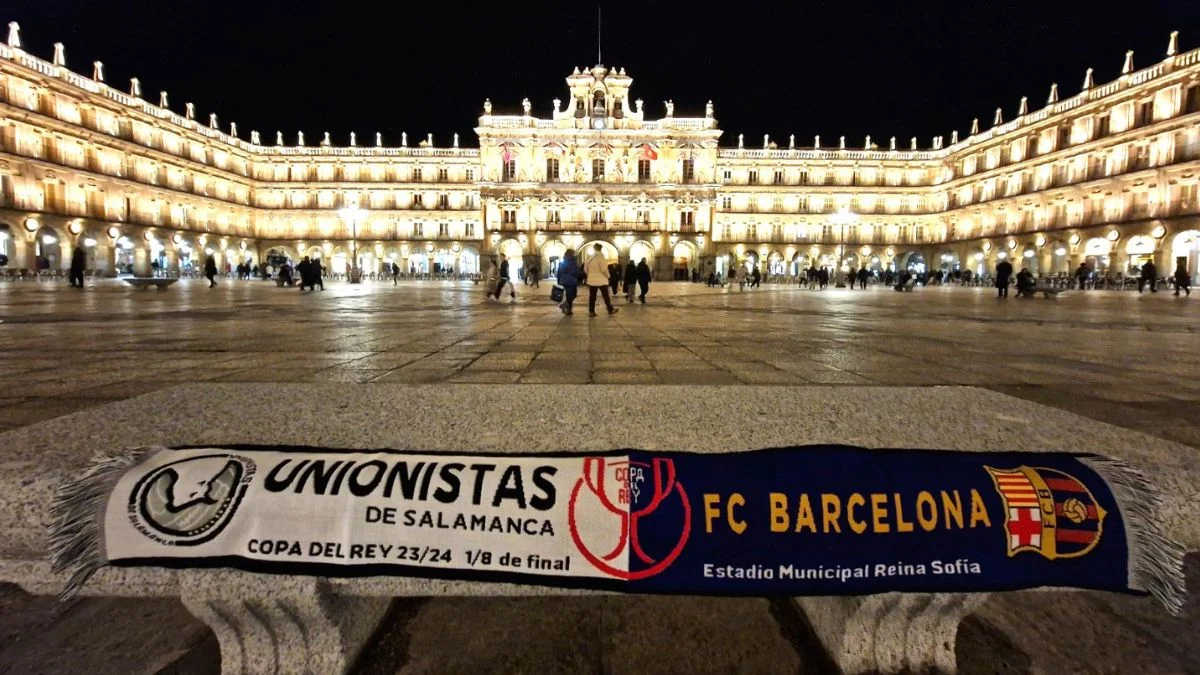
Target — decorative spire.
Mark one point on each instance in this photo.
(353, 139)
(487, 106)
(404, 139)
(162, 99)
(189, 111)
(300, 139)
(867, 145)
(1173, 43)
(14, 35)
(233, 129)
(841, 142)
(255, 139)
(892, 146)
(97, 71)
(766, 140)
(914, 143)
(135, 87)
(278, 138)
(741, 141)
(378, 140)
(792, 142)
(60, 54)
(1127, 67)
(1023, 109)
(1053, 94)
(817, 142)
(974, 126)
(325, 140)
(429, 140)
(999, 118)
(212, 120)
(954, 137)
(456, 140)
(1087, 80)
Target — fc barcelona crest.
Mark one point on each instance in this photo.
(1047, 511)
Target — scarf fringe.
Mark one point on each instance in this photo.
(76, 539)
(1155, 560)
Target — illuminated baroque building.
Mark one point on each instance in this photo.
(1106, 177)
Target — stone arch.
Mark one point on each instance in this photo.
(610, 250)
(911, 261)
(8, 246)
(1185, 248)
(642, 249)
(50, 249)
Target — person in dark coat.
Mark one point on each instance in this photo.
(755, 277)
(1081, 275)
(210, 270)
(614, 277)
(643, 279)
(1026, 284)
(568, 278)
(78, 265)
(304, 269)
(1004, 271)
(630, 280)
(395, 274)
(494, 296)
(1149, 276)
(1183, 280)
(863, 275)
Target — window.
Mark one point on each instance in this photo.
(443, 201)
(802, 203)
(470, 174)
(470, 230)
(418, 229)
(827, 232)
(804, 176)
(689, 170)
(753, 177)
(726, 203)
(552, 170)
(727, 175)
(687, 221)
(752, 231)
(443, 175)
(418, 201)
(1191, 99)
(1145, 114)
(779, 176)
(920, 232)
(416, 174)
(1064, 137)
(443, 230)
(725, 232)
(1101, 126)
(643, 217)
(597, 170)
(643, 170)
(510, 170)
(554, 217)
(508, 217)
(469, 202)
(778, 205)
(903, 233)
(598, 217)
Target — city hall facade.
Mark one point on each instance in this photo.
(1106, 176)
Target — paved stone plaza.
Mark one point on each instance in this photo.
(1115, 357)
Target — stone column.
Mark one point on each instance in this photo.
(891, 632)
(282, 625)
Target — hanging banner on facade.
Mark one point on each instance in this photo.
(820, 520)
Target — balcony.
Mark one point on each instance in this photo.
(590, 226)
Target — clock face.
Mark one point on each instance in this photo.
(598, 124)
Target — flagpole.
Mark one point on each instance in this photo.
(599, 59)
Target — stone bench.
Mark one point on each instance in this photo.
(147, 282)
(286, 624)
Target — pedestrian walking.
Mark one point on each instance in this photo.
(535, 276)
(630, 280)
(78, 265)
(643, 279)
(823, 278)
(614, 277)
(863, 275)
(495, 295)
(395, 274)
(1183, 280)
(1004, 272)
(755, 277)
(600, 276)
(568, 278)
(1149, 276)
(1081, 275)
(304, 269)
(210, 270)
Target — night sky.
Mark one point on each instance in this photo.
(837, 68)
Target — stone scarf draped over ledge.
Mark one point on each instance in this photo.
(799, 521)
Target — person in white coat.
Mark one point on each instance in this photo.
(596, 270)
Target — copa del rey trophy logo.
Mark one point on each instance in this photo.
(647, 512)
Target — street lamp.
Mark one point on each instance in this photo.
(352, 215)
(843, 217)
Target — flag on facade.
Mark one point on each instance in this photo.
(648, 152)
(507, 152)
